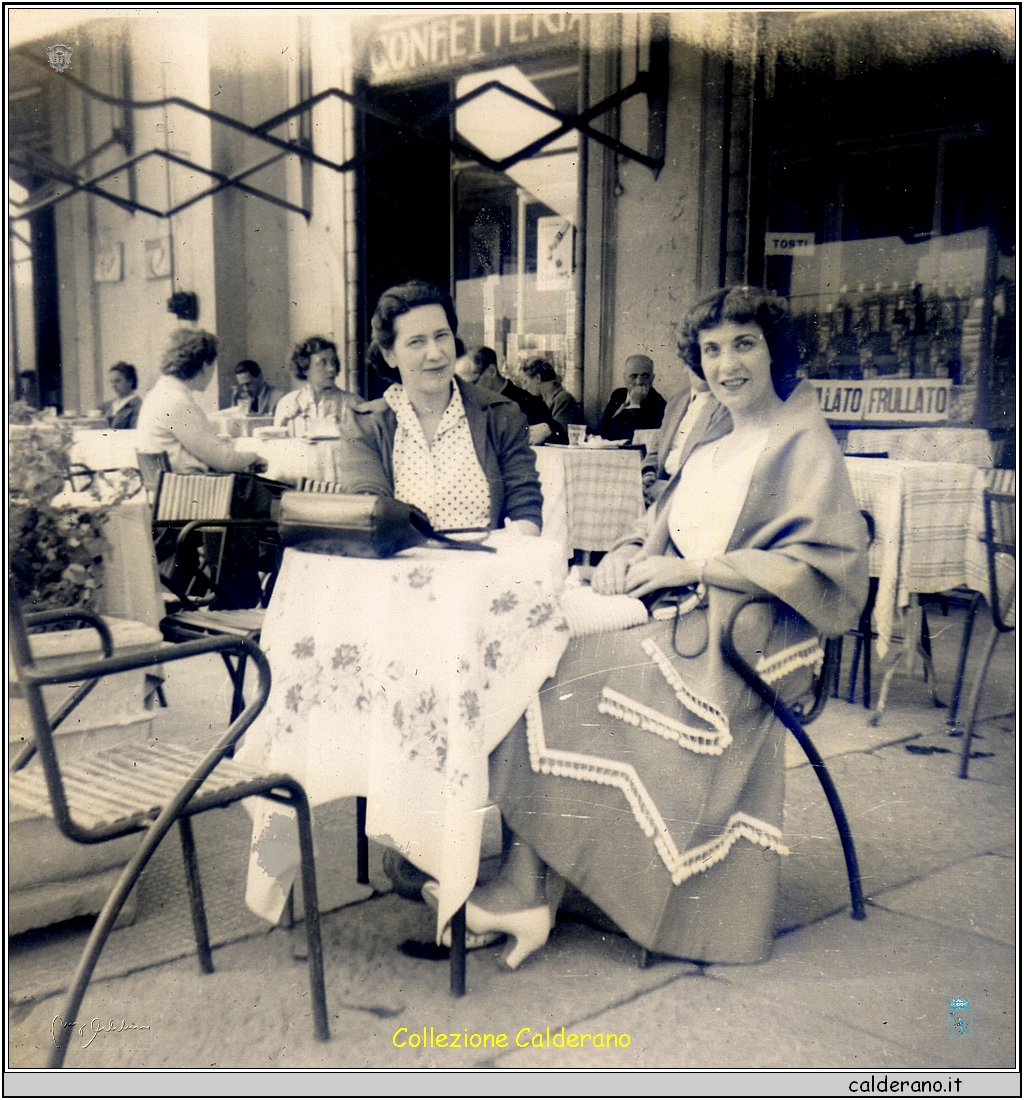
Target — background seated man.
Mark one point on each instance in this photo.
(252, 391)
(123, 411)
(541, 380)
(637, 405)
(689, 416)
(479, 365)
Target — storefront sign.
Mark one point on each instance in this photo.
(789, 244)
(903, 401)
(440, 45)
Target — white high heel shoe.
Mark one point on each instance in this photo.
(474, 940)
(529, 929)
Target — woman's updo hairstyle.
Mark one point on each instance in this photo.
(303, 354)
(189, 352)
(744, 305)
(401, 299)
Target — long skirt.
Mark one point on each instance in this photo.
(654, 781)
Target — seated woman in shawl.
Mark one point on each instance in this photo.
(647, 773)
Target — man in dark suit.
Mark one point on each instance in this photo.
(252, 391)
(123, 411)
(637, 405)
(479, 365)
(689, 416)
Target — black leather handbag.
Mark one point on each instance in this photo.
(359, 526)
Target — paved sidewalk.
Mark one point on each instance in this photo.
(938, 856)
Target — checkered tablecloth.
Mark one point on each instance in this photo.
(603, 494)
(928, 516)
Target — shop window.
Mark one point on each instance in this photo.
(888, 227)
(514, 231)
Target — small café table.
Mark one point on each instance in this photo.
(971, 446)
(105, 448)
(290, 460)
(928, 516)
(592, 496)
(394, 679)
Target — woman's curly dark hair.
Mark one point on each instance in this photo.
(189, 351)
(540, 369)
(128, 371)
(743, 305)
(304, 352)
(400, 299)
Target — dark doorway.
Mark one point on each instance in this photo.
(405, 200)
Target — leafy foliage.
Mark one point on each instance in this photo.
(56, 553)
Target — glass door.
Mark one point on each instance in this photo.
(514, 231)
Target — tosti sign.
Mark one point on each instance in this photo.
(902, 400)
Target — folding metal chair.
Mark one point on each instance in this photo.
(185, 506)
(146, 788)
(1000, 540)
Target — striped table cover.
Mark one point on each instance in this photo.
(928, 516)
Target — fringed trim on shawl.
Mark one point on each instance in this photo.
(705, 856)
(647, 718)
(703, 709)
(781, 664)
(613, 773)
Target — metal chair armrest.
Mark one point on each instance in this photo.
(158, 655)
(199, 524)
(793, 723)
(47, 618)
(235, 730)
(72, 615)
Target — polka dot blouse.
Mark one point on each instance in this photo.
(442, 477)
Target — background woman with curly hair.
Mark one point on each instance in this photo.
(315, 364)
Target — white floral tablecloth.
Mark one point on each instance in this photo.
(395, 679)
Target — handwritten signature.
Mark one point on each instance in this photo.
(94, 1027)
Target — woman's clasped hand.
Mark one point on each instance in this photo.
(643, 574)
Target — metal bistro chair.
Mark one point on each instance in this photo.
(795, 717)
(862, 636)
(1002, 483)
(146, 789)
(191, 504)
(1000, 540)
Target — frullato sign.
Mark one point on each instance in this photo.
(462, 41)
(898, 401)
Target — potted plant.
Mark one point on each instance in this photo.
(55, 553)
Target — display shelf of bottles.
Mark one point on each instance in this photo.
(900, 332)
(864, 346)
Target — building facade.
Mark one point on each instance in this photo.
(577, 179)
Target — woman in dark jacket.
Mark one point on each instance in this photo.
(458, 452)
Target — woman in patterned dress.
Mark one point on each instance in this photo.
(647, 773)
